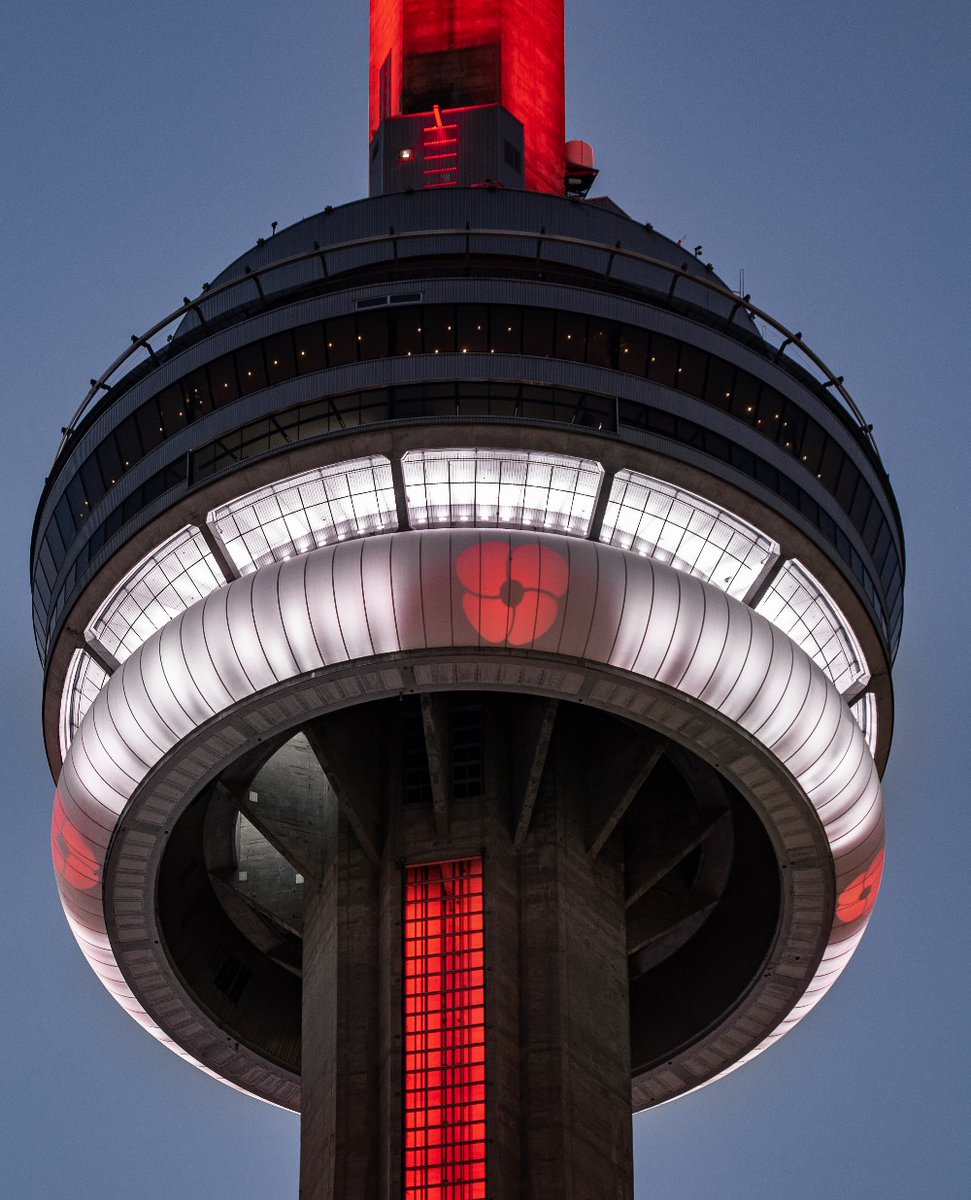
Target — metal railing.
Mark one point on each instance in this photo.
(252, 278)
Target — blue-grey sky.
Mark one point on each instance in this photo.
(821, 148)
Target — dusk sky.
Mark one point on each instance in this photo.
(820, 148)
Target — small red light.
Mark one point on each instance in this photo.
(405, 155)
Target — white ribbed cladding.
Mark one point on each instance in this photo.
(521, 489)
(586, 606)
(84, 679)
(675, 526)
(176, 574)
(801, 607)
(865, 711)
(347, 500)
(355, 498)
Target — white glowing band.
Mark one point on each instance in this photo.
(402, 594)
(452, 487)
(675, 526)
(84, 679)
(801, 607)
(519, 489)
(176, 574)
(346, 500)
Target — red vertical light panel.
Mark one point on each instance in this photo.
(444, 1107)
(457, 53)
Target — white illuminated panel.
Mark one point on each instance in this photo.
(84, 679)
(667, 523)
(304, 512)
(178, 573)
(865, 711)
(525, 489)
(799, 605)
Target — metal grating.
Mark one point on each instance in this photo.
(444, 981)
(347, 500)
(521, 489)
(675, 526)
(164, 584)
(798, 604)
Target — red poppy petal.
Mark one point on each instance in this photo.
(525, 566)
(484, 568)
(489, 617)
(554, 572)
(74, 859)
(859, 897)
(534, 615)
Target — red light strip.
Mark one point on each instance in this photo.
(444, 1109)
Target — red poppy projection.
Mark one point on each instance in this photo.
(858, 899)
(444, 1117)
(512, 596)
(74, 859)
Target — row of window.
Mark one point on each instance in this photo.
(451, 329)
(505, 400)
(533, 402)
(689, 433)
(433, 329)
(465, 487)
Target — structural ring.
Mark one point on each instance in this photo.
(449, 609)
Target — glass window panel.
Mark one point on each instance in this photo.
(295, 515)
(846, 487)
(110, 461)
(522, 489)
(801, 607)
(281, 360)
(310, 348)
(634, 350)
(865, 711)
(84, 680)
(171, 408)
(601, 342)
(663, 367)
(197, 393)
(372, 335)
(720, 387)
(92, 484)
(225, 387)
(164, 584)
(675, 526)
(571, 336)
(64, 515)
(813, 443)
(251, 369)
(406, 330)
(538, 332)
(506, 329)
(473, 329)
(438, 329)
(692, 366)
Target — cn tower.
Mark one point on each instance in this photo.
(467, 627)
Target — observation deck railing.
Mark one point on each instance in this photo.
(252, 279)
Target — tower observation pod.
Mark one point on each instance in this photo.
(467, 629)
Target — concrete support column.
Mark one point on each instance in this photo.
(575, 1055)
(341, 1110)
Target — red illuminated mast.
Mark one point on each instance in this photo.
(494, 68)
